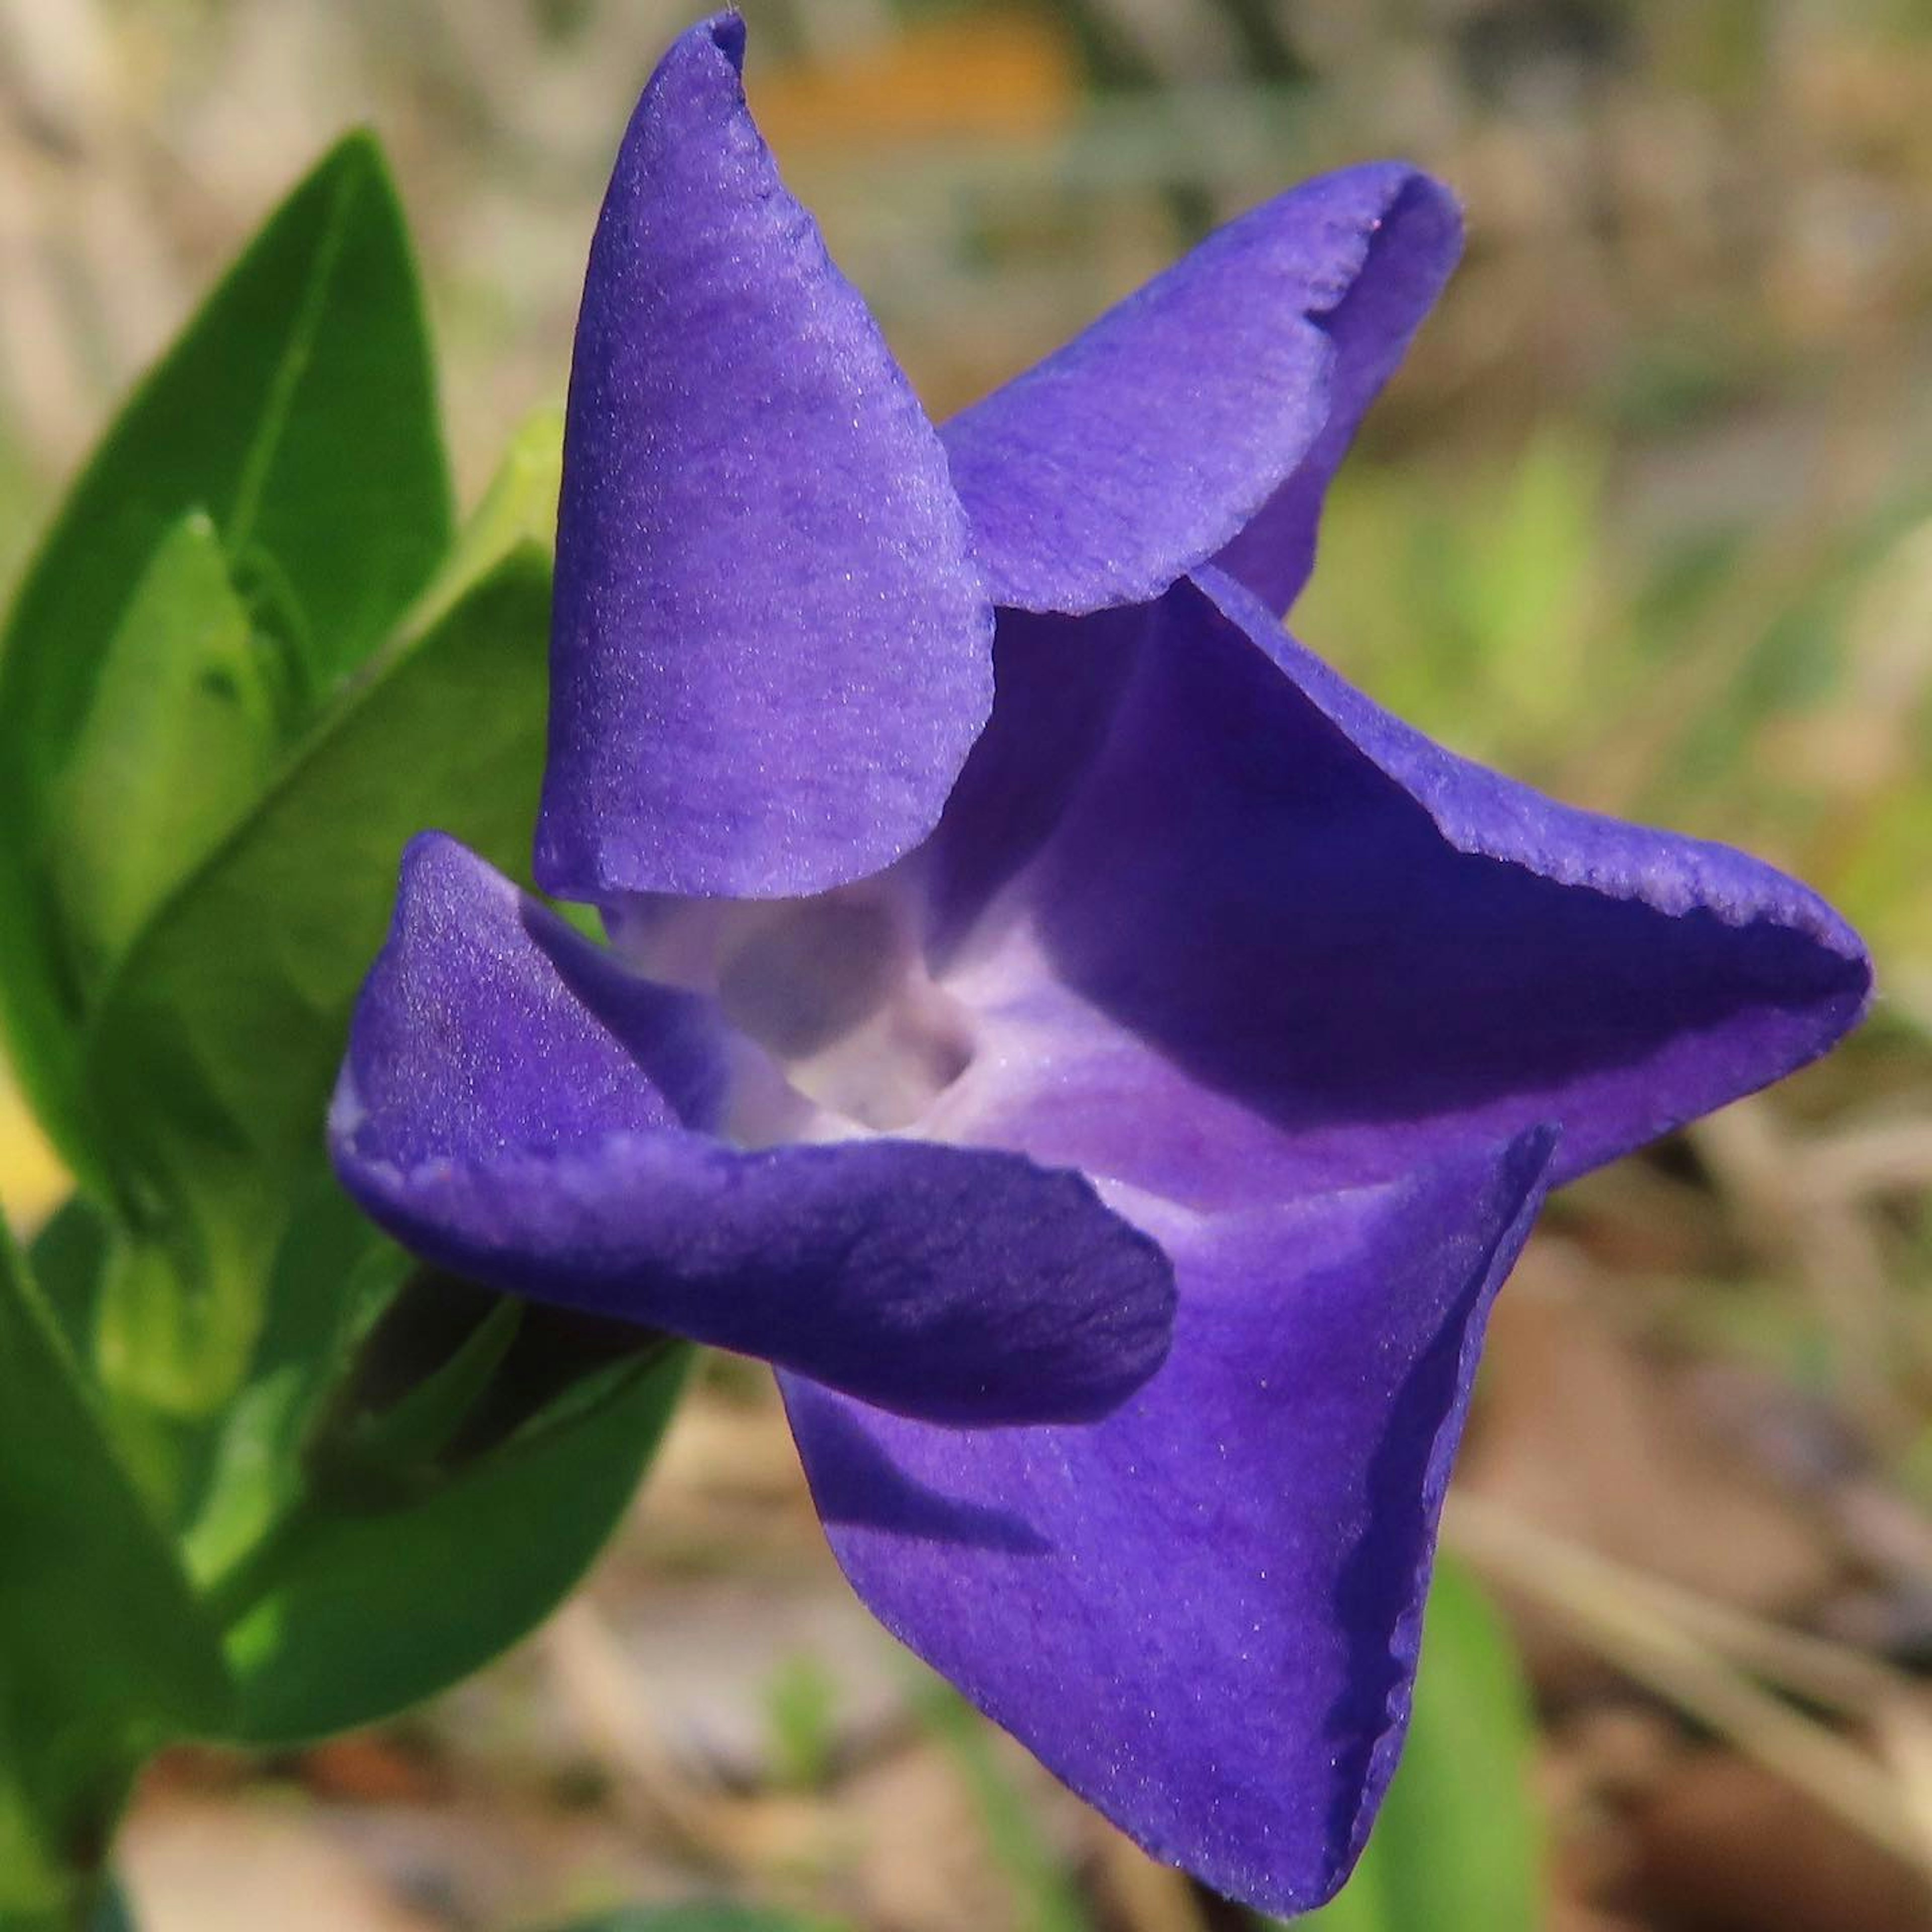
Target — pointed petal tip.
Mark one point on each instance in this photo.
(717, 43)
(771, 643)
(1202, 417)
(432, 856)
(1431, 213)
(1382, 193)
(1272, 930)
(1281, 1478)
(726, 32)
(1486, 814)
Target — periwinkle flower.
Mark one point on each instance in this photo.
(1106, 1063)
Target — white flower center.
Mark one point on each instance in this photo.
(833, 988)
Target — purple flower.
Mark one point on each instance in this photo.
(1106, 1063)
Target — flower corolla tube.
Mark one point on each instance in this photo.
(1104, 1062)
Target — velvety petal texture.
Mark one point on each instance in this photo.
(1111, 1090)
(518, 1109)
(1360, 951)
(770, 651)
(1203, 1613)
(487, 1027)
(1206, 413)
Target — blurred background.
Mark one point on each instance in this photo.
(1647, 519)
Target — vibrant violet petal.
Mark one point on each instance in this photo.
(1204, 415)
(1274, 938)
(487, 1027)
(770, 651)
(517, 1107)
(1203, 1613)
(1059, 681)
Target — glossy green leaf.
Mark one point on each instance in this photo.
(370, 1598)
(180, 739)
(104, 1652)
(214, 1048)
(331, 1269)
(518, 508)
(1457, 1846)
(297, 411)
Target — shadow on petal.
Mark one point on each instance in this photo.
(857, 1485)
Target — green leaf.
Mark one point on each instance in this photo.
(298, 411)
(518, 508)
(410, 1480)
(415, 1431)
(331, 1268)
(214, 1048)
(370, 1598)
(181, 739)
(104, 1652)
(1457, 1847)
(68, 1260)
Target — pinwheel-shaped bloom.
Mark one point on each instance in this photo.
(1106, 1063)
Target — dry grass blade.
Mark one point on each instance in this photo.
(597, 1685)
(1641, 1628)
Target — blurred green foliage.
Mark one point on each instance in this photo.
(260, 1480)
(802, 1713)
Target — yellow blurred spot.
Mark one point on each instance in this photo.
(989, 76)
(32, 1180)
